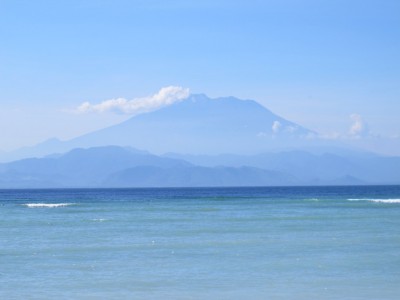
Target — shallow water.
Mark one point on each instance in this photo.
(219, 243)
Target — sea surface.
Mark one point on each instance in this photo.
(201, 243)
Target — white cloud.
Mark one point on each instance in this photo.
(276, 126)
(165, 96)
(359, 127)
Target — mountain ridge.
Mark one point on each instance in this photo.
(115, 166)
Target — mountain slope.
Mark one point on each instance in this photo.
(201, 125)
(196, 125)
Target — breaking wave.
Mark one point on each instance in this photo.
(378, 200)
(49, 205)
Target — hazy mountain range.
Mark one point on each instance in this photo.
(203, 129)
(115, 166)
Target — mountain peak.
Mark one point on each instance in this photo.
(200, 124)
(197, 124)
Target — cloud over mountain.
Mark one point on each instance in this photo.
(276, 126)
(359, 127)
(164, 97)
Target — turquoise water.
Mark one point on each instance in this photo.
(220, 243)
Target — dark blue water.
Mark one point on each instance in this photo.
(219, 243)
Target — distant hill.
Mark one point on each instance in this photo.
(193, 176)
(349, 167)
(78, 168)
(115, 166)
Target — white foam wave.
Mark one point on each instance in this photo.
(49, 205)
(312, 200)
(378, 200)
(386, 200)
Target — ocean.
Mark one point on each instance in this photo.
(201, 243)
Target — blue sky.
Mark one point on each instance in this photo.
(312, 62)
